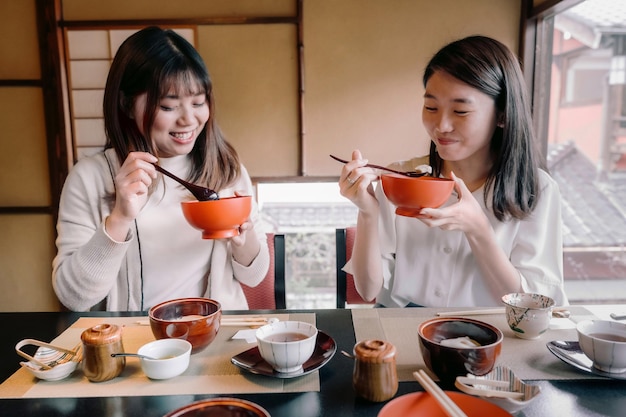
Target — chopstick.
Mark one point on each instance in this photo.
(449, 406)
(229, 321)
(499, 310)
(244, 321)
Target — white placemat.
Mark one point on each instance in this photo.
(210, 371)
(529, 359)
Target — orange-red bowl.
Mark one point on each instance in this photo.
(196, 320)
(410, 195)
(218, 219)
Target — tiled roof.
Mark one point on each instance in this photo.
(307, 217)
(594, 204)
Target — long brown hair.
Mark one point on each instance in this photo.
(489, 66)
(152, 61)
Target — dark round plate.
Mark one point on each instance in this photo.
(571, 353)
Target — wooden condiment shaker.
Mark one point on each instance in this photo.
(375, 377)
(98, 343)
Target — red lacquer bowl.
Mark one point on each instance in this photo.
(218, 219)
(196, 320)
(448, 362)
(410, 195)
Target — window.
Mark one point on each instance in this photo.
(586, 142)
(308, 214)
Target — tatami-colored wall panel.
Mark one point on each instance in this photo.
(363, 65)
(23, 154)
(256, 92)
(364, 61)
(19, 49)
(151, 9)
(26, 252)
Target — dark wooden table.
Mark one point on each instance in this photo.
(336, 398)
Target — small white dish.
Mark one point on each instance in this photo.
(171, 358)
(50, 363)
(513, 384)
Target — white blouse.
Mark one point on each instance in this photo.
(436, 268)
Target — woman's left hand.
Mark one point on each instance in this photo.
(245, 245)
(465, 215)
(240, 239)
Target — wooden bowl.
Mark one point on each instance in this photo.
(410, 195)
(196, 320)
(448, 362)
(220, 407)
(218, 219)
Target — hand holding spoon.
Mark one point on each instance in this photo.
(413, 174)
(201, 193)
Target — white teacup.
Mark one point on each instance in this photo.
(287, 345)
(528, 315)
(604, 342)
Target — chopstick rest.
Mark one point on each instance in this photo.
(448, 406)
(480, 387)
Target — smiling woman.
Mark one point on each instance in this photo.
(116, 209)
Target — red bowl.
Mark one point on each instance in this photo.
(448, 362)
(410, 195)
(220, 407)
(218, 219)
(196, 320)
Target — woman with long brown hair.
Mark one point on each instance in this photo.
(123, 243)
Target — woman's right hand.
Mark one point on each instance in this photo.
(131, 192)
(355, 183)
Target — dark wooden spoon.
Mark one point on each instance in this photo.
(201, 193)
(413, 174)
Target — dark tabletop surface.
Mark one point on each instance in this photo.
(585, 397)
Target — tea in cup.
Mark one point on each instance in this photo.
(604, 342)
(287, 345)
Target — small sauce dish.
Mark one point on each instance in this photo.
(171, 358)
(50, 363)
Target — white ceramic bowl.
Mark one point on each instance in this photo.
(172, 358)
(528, 315)
(286, 345)
(604, 342)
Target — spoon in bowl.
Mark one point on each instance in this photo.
(133, 355)
(413, 174)
(201, 193)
